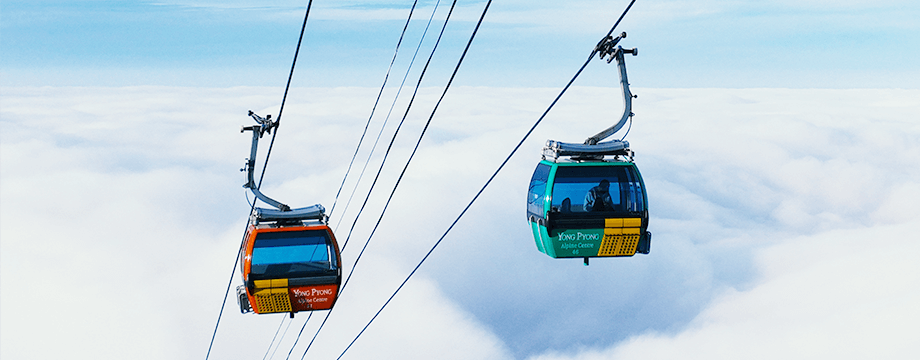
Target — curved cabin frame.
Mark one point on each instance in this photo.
(562, 225)
(287, 269)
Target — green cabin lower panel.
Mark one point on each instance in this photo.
(581, 243)
(578, 243)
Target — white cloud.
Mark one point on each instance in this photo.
(128, 201)
(419, 323)
(841, 294)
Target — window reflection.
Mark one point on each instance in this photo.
(579, 189)
(292, 253)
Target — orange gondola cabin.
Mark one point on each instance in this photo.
(289, 258)
(287, 269)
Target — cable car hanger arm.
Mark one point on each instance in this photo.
(283, 213)
(606, 47)
(265, 125)
(593, 148)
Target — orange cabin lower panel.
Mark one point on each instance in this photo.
(293, 299)
(317, 297)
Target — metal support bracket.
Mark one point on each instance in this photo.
(284, 213)
(608, 47)
(265, 125)
(593, 148)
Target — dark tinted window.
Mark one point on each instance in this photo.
(292, 253)
(573, 183)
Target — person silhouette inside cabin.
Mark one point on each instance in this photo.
(598, 198)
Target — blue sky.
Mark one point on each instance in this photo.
(738, 44)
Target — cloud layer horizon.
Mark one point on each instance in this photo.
(783, 224)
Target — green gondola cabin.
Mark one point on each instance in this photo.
(569, 220)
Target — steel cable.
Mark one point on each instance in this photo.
(373, 109)
(298, 335)
(262, 176)
(488, 182)
(386, 120)
(389, 113)
(431, 17)
(386, 155)
(282, 339)
(274, 337)
(393, 140)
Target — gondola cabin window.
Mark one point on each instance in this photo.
(585, 189)
(292, 254)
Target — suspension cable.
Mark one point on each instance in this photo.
(273, 338)
(357, 149)
(316, 334)
(431, 17)
(398, 127)
(298, 335)
(224, 303)
(262, 176)
(373, 109)
(385, 121)
(415, 149)
(286, 88)
(488, 182)
(386, 155)
(288, 327)
(393, 139)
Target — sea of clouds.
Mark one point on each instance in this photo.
(784, 225)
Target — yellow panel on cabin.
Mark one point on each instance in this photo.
(273, 303)
(632, 222)
(265, 292)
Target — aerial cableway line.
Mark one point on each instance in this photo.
(421, 136)
(267, 215)
(374, 108)
(494, 174)
(386, 155)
